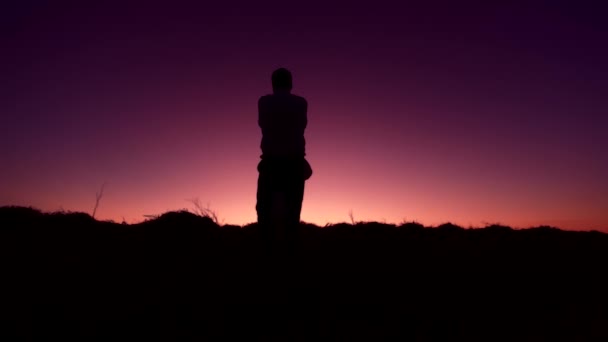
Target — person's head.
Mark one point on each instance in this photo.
(281, 80)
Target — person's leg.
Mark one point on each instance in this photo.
(295, 195)
(261, 206)
(264, 209)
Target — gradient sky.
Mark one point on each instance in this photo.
(472, 113)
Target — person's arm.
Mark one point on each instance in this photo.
(262, 117)
(304, 114)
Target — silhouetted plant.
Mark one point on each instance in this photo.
(205, 211)
(98, 197)
(352, 217)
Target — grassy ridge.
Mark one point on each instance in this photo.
(181, 276)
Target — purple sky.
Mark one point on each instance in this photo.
(470, 113)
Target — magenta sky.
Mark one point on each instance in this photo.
(472, 114)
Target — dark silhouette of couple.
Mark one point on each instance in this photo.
(283, 169)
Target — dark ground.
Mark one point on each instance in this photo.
(181, 277)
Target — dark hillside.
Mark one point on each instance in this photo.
(182, 277)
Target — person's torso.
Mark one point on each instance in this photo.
(283, 121)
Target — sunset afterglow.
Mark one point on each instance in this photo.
(466, 115)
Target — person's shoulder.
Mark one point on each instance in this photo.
(265, 97)
(299, 99)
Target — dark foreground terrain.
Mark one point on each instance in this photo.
(182, 277)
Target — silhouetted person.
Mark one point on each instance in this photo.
(283, 169)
